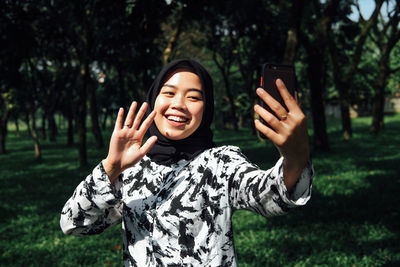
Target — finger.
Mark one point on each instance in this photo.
(118, 122)
(288, 99)
(139, 116)
(267, 116)
(148, 145)
(265, 130)
(274, 105)
(147, 122)
(129, 117)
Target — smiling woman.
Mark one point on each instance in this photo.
(175, 194)
(179, 106)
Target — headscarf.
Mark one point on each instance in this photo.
(166, 151)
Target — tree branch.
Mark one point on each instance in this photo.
(361, 17)
(363, 36)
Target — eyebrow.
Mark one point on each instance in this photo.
(189, 89)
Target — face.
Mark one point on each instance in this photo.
(179, 106)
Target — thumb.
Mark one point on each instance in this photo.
(148, 145)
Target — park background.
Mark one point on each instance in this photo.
(67, 66)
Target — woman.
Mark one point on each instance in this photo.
(176, 193)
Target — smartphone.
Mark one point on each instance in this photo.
(270, 72)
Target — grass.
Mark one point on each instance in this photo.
(352, 219)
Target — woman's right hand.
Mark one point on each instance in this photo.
(126, 147)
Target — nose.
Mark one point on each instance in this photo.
(178, 102)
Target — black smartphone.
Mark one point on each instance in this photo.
(270, 72)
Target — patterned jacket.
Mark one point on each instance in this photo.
(181, 215)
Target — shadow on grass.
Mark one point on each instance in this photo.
(352, 218)
(360, 229)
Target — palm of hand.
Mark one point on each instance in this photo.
(126, 147)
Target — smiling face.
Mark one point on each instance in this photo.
(179, 106)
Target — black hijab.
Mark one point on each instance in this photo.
(166, 151)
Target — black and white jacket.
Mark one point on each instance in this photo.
(181, 215)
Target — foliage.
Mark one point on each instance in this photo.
(352, 218)
(46, 47)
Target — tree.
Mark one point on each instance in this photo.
(295, 12)
(386, 34)
(176, 26)
(12, 57)
(5, 105)
(344, 72)
(314, 37)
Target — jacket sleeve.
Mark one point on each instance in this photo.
(264, 191)
(94, 206)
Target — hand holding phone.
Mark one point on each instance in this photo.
(269, 74)
(288, 130)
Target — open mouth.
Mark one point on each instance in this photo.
(177, 119)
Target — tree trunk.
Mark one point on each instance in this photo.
(122, 93)
(378, 103)
(17, 132)
(295, 15)
(52, 126)
(34, 133)
(386, 41)
(28, 127)
(3, 130)
(43, 127)
(315, 74)
(5, 103)
(344, 77)
(94, 116)
(250, 89)
(104, 123)
(342, 86)
(224, 68)
(378, 109)
(70, 130)
(81, 118)
(70, 117)
(229, 94)
(347, 130)
(170, 50)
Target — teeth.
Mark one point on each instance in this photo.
(176, 118)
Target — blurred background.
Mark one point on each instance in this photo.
(67, 66)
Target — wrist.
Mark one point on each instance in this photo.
(295, 163)
(292, 170)
(112, 170)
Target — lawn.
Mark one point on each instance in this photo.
(352, 219)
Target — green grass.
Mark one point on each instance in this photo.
(352, 219)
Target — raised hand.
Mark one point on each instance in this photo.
(289, 133)
(126, 147)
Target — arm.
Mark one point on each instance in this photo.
(289, 134)
(96, 203)
(94, 206)
(263, 191)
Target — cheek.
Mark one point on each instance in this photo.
(160, 104)
(198, 111)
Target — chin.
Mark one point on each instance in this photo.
(174, 136)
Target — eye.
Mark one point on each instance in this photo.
(195, 95)
(167, 93)
(195, 98)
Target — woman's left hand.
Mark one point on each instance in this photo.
(289, 133)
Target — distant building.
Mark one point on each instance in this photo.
(392, 105)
